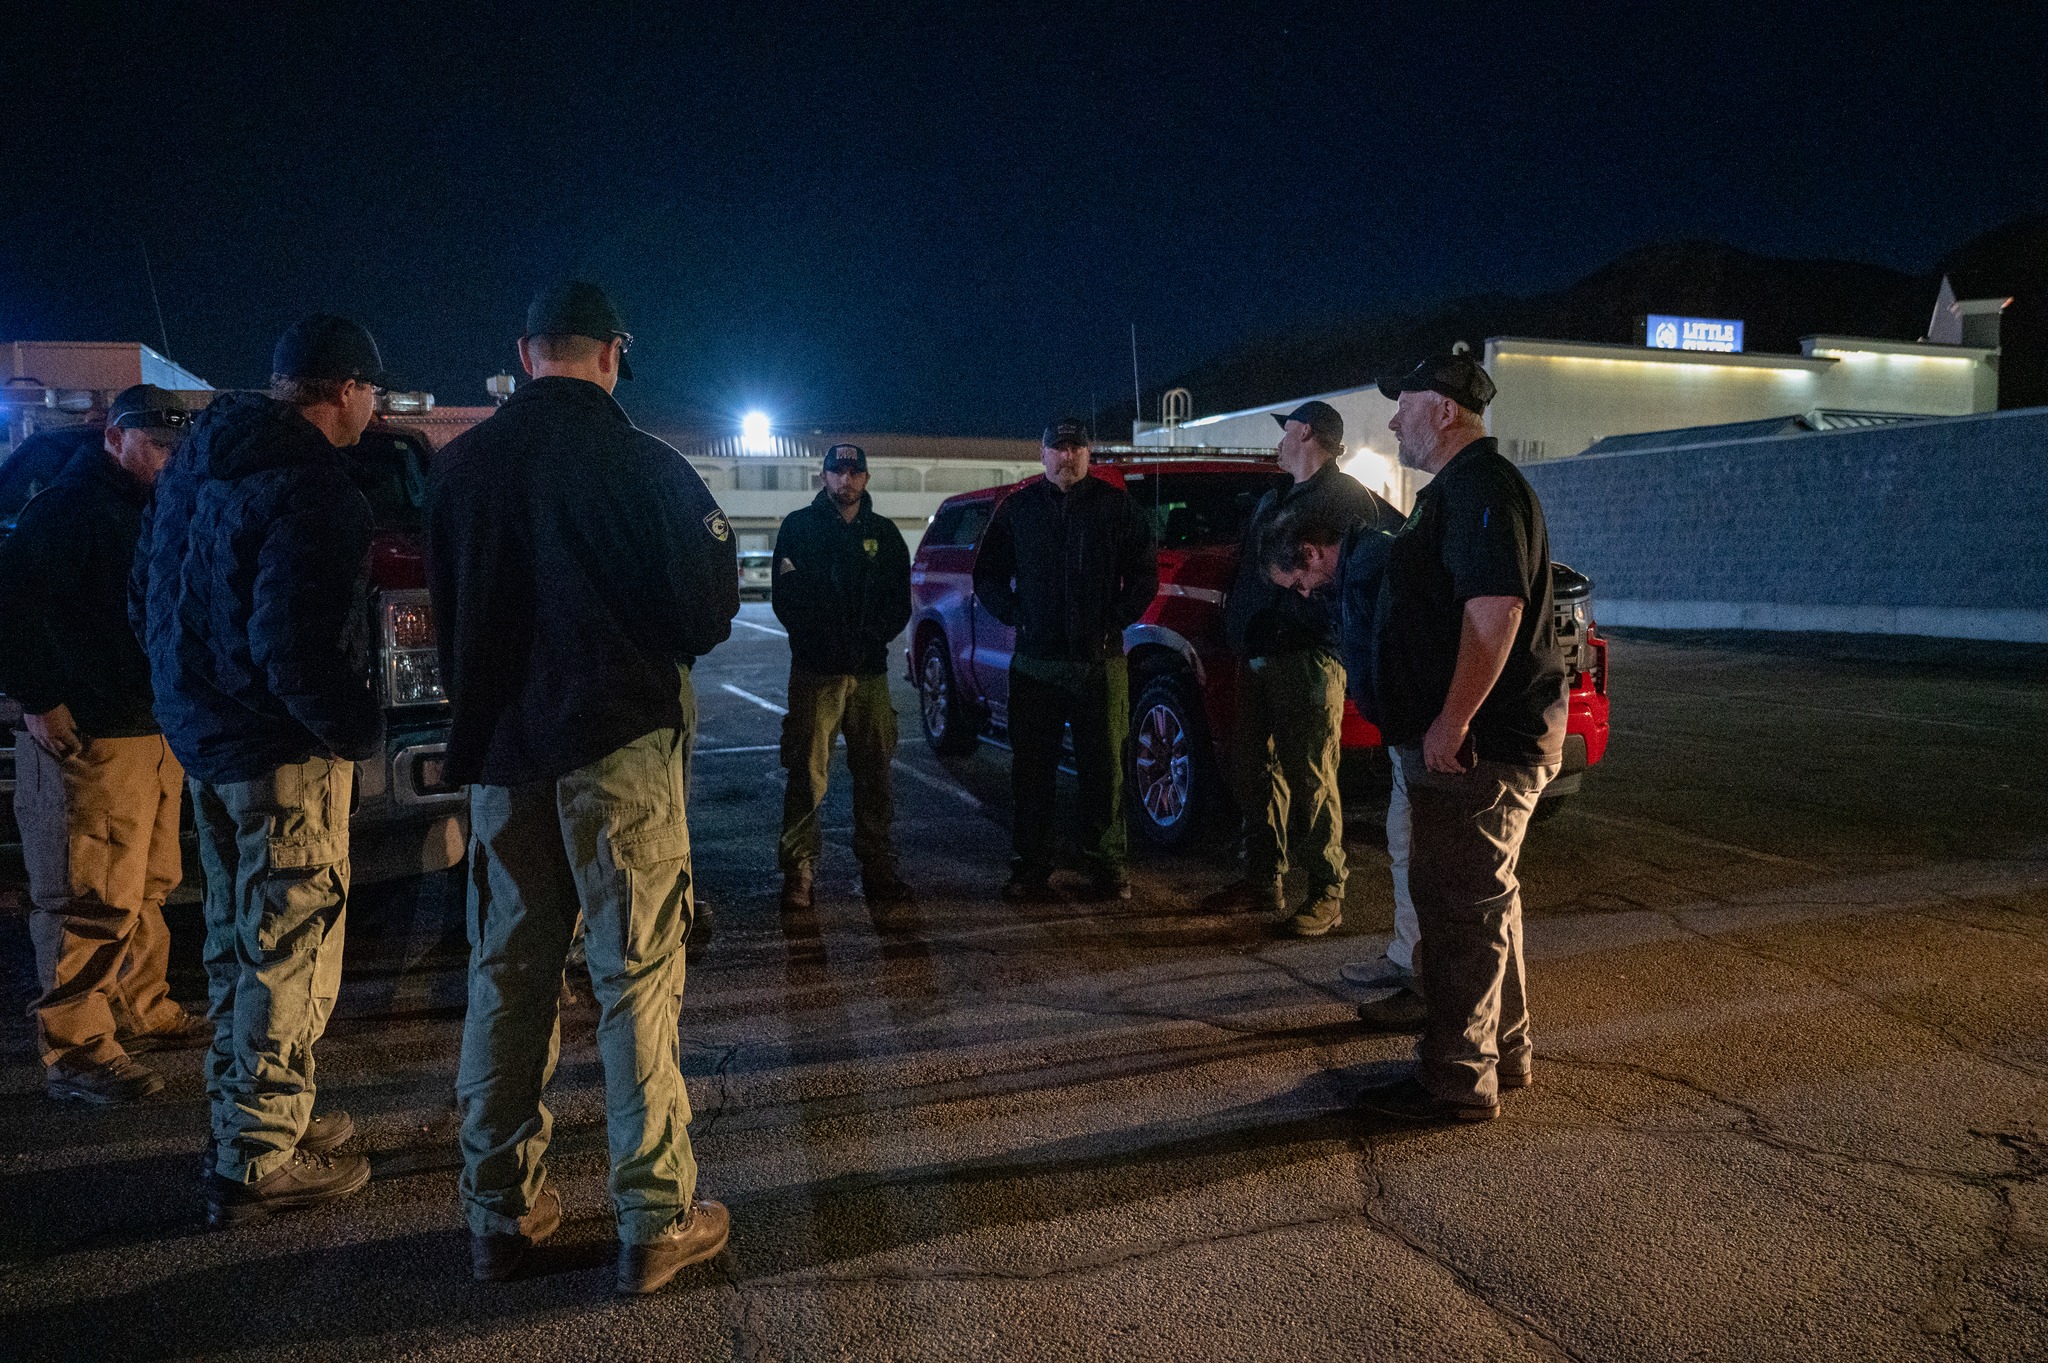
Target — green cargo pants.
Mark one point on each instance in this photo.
(820, 708)
(609, 840)
(1095, 698)
(1290, 723)
(276, 856)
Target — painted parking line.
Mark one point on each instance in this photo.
(750, 696)
(925, 778)
(720, 752)
(765, 629)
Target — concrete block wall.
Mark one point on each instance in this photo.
(1932, 528)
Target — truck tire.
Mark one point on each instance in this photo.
(1170, 775)
(950, 723)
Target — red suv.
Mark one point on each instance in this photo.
(1183, 678)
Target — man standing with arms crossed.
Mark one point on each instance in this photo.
(97, 790)
(1067, 561)
(842, 590)
(252, 575)
(1472, 692)
(578, 568)
(1290, 697)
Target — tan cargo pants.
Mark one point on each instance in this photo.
(275, 851)
(612, 841)
(99, 832)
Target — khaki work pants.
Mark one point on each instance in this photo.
(1466, 843)
(275, 851)
(1290, 728)
(1094, 699)
(609, 840)
(821, 707)
(99, 832)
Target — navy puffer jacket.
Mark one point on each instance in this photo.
(251, 582)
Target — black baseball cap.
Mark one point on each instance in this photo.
(1455, 374)
(146, 407)
(845, 458)
(324, 346)
(577, 307)
(1068, 430)
(1321, 418)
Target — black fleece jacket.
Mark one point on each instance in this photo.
(1067, 570)
(574, 562)
(842, 588)
(64, 630)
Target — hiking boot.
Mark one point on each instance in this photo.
(796, 888)
(1319, 915)
(1513, 1079)
(1401, 1012)
(118, 1081)
(304, 1180)
(884, 888)
(1409, 1101)
(1028, 887)
(692, 1239)
(327, 1131)
(191, 1029)
(496, 1255)
(1246, 896)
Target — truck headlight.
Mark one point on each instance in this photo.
(412, 658)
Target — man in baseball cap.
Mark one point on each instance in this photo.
(98, 792)
(566, 316)
(842, 590)
(1290, 693)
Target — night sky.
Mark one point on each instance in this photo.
(946, 221)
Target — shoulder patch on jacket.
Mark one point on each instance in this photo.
(715, 522)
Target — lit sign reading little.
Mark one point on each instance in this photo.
(1692, 333)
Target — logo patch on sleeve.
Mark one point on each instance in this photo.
(716, 523)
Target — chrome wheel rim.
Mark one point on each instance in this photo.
(1164, 762)
(931, 692)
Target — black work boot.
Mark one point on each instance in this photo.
(118, 1081)
(692, 1239)
(1249, 895)
(327, 1131)
(1404, 1011)
(1028, 886)
(885, 888)
(497, 1255)
(304, 1180)
(796, 888)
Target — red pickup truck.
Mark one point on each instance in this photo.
(1183, 678)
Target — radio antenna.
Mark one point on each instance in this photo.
(1137, 400)
(163, 334)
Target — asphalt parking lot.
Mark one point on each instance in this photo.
(1789, 968)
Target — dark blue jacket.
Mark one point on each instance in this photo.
(842, 588)
(252, 584)
(575, 563)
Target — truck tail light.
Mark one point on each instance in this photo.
(412, 658)
(1599, 663)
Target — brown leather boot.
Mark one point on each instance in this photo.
(302, 1181)
(691, 1240)
(497, 1255)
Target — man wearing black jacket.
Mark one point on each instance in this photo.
(578, 568)
(1068, 562)
(251, 579)
(97, 790)
(1290, 695)
(842, 590)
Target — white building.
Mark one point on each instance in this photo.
(908, 475)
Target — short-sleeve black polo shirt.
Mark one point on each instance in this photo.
(1477, 530)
